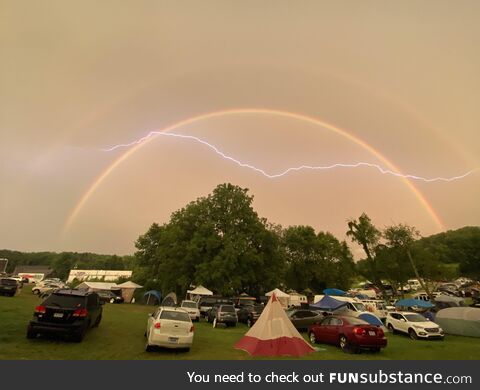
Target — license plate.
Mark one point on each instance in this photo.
(173, 339)
(371, 333)
(57, 315)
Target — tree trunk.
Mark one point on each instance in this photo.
(415, 270)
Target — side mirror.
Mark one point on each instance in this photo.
(150, 314)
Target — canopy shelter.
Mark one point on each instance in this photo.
(98, 286)
(282, 297)
(412, 302)
(462, 321)
(152, 297)
(128, 289)
(200, 290)
(273, 334)
(327, 303)
(334, 292)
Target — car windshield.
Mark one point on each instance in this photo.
(174, 315)
(415, 318)
(359, 306)
(67, 301)
(227, 309)
(191, 305)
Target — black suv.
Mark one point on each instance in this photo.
(65, 311)
(109, 296)
(8, 286)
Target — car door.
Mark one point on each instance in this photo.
(322, 330)
(402, 323)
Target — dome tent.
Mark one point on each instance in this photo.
(461, 321)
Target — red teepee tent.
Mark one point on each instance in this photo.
(273, 334)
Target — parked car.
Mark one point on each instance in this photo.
(191, 307)
(206, 303)
(350, 333)
(223, 314)
(8, 286)
(302, 318)
(413, 324)
(169, 327)
(109, 296)
(45, 287)
(68, 312)
(249, 314)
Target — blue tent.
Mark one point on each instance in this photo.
(152, 297)
(411, 302)
(328, 303)
(334, 291)
(371, 319)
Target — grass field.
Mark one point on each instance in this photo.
(120, 336)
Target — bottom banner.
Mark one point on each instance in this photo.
(223, 374)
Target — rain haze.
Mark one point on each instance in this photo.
(272, 84)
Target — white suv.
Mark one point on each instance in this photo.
(414, 324)
(191, 307)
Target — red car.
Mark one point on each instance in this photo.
(350, 333)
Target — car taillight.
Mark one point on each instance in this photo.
(80, 313)
(380, 332)
(192, 329)
(41, 309)
(157, 325)
(359, 331)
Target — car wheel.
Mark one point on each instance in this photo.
(31, 334)
(249, 322)
(312, 338)
(214, 322)
(148, 348)
(97, 322)
(391, 328)
(345, 345)
(412, 334)
(35, 292)
(377, 349)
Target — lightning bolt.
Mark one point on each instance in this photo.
(288, 170)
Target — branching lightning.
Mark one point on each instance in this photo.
(291, 169)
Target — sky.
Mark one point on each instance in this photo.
(272, 84)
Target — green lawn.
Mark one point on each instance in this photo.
(120, 336)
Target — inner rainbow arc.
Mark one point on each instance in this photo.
(261, 111)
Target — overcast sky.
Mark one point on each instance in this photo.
(401, 78)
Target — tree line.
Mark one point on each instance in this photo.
(221, 242)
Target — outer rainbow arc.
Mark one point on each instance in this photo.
(265, 111)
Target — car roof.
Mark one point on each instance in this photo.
(172, 308)
(73, 292)
(402, 312)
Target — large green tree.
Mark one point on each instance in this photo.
(218, 241)
(364, 233)
(316, 261)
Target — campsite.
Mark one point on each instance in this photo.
(121, 336)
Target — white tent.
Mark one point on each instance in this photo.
(282, 297)
(129, 284)
(128, 289)
(200, 290)
(274, 334)
(95, 286)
